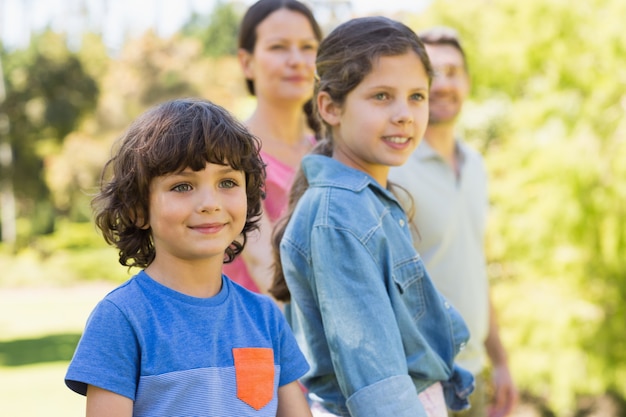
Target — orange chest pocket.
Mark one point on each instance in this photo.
(254, 372)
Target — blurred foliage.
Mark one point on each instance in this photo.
(548, 106)
(64, 104)
(74, 252)
(48, 93)
(547, 111)
(217, 30)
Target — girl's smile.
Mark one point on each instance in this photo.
(383, 118)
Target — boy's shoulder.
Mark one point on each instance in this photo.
(127, 290)
(252, 299)
(242, 291)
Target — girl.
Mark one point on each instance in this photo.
(380, 339)
(179, 338)
(278, 40)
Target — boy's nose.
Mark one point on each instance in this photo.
(208, 201)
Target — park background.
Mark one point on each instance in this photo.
(547, 112)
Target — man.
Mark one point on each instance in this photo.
(448, 185)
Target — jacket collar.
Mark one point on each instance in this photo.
(323, 171)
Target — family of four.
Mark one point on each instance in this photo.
(307, 201)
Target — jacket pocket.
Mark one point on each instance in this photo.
(409, 278)
(254, 372)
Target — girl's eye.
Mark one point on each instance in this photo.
(418, 97)
(228, 184)
(381, 96)
(181, 188)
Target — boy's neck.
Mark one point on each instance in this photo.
(197, 279)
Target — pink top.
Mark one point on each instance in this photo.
(277, 185)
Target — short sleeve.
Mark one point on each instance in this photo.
(107, 355)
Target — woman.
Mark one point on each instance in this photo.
(278, 42)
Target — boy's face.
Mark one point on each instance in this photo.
(196, 215)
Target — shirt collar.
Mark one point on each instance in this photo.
(323, 171)
(424, 151)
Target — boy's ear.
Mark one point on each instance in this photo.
(245, 60)
(140, 220)
(328, 109)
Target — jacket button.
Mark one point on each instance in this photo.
(401, 223)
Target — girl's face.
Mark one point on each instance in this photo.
(196, 215)
(282, 65)
(383, 119)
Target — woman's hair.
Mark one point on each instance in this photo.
(168, 138)
(255, 15)
(344, 58)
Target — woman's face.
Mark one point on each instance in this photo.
(282, 65)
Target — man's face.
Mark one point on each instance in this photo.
(450, 85)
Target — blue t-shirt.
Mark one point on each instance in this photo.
(177, 355)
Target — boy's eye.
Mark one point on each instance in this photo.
(228, 184)
(181, 188)
(381, 96)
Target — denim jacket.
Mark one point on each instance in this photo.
(365, 313)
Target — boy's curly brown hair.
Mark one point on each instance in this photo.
(166, 139)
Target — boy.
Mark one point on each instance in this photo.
(179, 338)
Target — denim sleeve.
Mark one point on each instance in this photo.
(399, 389)
(359, 323)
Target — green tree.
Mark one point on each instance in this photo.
(217, 30)
(548, 113)
(47, 95)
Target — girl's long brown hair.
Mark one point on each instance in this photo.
(344, 58)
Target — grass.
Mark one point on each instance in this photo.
(47, 290)
(38, 390)
(39, 329)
